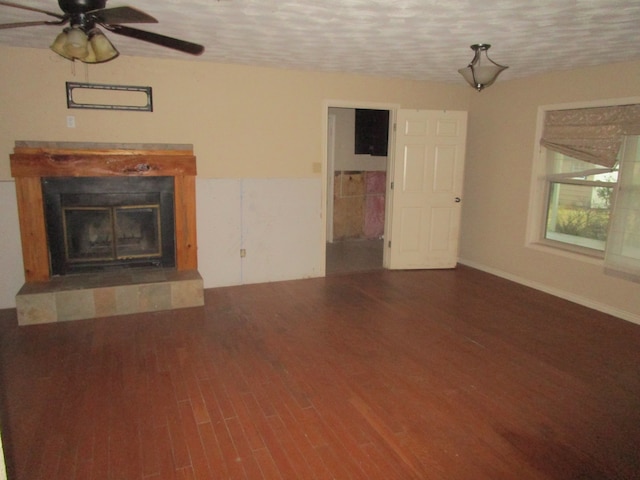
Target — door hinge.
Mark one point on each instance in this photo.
(391, 185)
(394, 127)
(389, 245)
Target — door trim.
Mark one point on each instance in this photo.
(331, 153)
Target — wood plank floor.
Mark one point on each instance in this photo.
(380, 375)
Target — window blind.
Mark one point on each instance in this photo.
(593, 135)
(622, 255)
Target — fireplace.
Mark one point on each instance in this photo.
(97, 224)
(106, 229)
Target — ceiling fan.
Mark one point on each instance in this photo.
(83, 40)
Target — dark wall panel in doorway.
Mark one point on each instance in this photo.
(372, 132)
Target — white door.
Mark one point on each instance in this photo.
(427, 189)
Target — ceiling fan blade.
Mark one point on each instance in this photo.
(32, 9)
(169, 42)
(121, 15)
(29, 24)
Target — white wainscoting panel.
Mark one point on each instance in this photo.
(219, 220)
(281, 229)
(277, 222)
(11, 268)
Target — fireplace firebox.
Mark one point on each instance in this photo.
(104, 223)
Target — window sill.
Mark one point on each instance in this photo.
(567, 251)
(576, 244)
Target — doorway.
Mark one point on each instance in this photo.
(358, 153)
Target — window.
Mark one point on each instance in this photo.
(622, 254)
(587, 187)
(579, 201)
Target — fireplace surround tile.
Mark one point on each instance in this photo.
(36, 308)
(105, 301)
(183, 293)
(75, 304)
(126, 300)
(155, 296)
(77, 297)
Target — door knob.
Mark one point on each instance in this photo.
(458, 199)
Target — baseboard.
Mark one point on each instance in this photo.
(585, 302)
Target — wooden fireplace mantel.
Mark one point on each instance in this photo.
(32, 161)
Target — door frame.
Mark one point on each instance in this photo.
(329, 180)
(392, 108)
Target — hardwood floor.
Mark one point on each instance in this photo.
(390, 375)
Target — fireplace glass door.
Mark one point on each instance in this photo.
(112, 233)
(96, 224)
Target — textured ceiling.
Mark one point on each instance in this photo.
(415, 39)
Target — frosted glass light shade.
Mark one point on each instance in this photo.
(102, 50)
(482, 71)
(58, 45)
(76, 45)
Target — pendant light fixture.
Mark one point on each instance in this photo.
(482, 71)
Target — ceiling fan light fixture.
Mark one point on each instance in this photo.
(82, 41)
(100, 48)
(72, 44)
(77, 43)
(482, 71)
(59, 43)
(92, 47)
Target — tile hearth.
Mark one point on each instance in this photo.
(134, 290)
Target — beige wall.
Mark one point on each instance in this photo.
(500, 155)
(244, 122)
(258, 134)
(249, 122)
